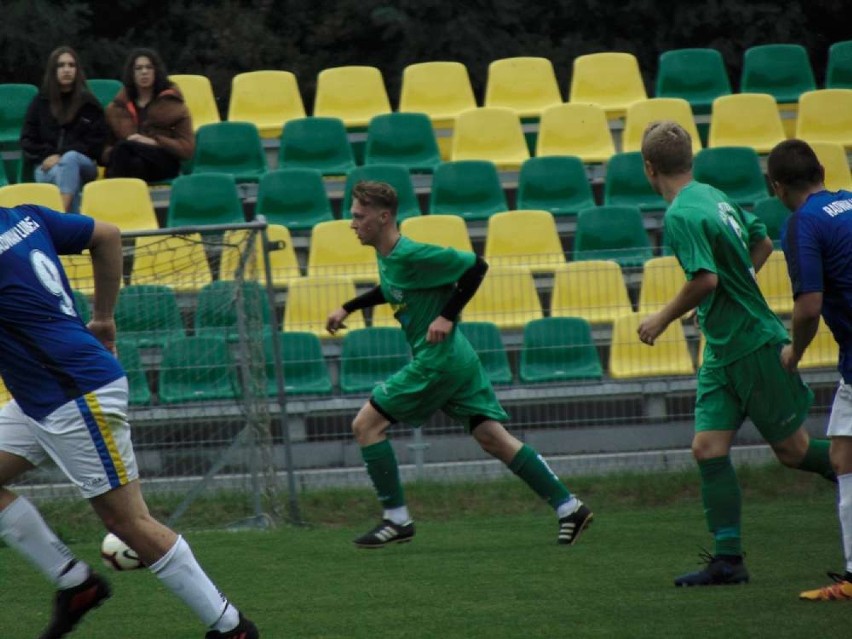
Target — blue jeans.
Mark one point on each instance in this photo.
(70, 174)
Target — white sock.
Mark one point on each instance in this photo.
(22, 527)
(844, 512)
(566, 508)
(397, 515)
(180, 572)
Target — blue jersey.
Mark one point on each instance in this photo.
(817, 242)
(47, 356)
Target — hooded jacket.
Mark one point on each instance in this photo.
(42, 135)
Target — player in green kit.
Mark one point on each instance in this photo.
(720, 248)
(428, 286)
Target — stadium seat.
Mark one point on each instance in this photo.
(282, 256)
(15, 99)
(490, 133)
(559, 349)
(781, 70)
(527, 85)
(125, 202)
(735, 171)
(641, 114)
(316, 143)
(612, 233)
(662, 279)
(81, 304)
(80, 273)
(336, 250)
(294, 198)
(826, 116)
(443, 230)
(630, 358)
(198, 95)
(611, 80)
(147, 315)
(234, 148)
(406, 139)
(352, 93)
(833, 158)
(217, 311)
(575, 129)
(44, 194)
(823, 351)
(838, 72)
(524, 238)
(625, 184)
(176, 261)
(4, 180)
(470, 189)
(746, 119)
(139, 393)
(305, 372)
(591, 289)
(369, 356)
(204, 198)
(697, 75)
(104, 89)
(383, 315)
(395, 175)
(507, 297)
(311, 299)
(5, 395)
(774, 283)
(488, 343)
(197, 368)
(267, 99)
(555, 183)
(774, 215)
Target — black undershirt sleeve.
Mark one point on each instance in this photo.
(372, 297)
(465, 288)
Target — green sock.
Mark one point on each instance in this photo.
(384, 472)
(529, 466)
(720, 494)
(816, 459)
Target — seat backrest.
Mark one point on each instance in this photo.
(197, 368)
(611, 80)
(524, 238)
(230, 147)
(559, 349)
(316, 143)
(591, 289)
(526, 85)
(305, 371)
(282, 256)
(838, 72)
(626, 184)
(148, 315)
(612, 233)
(746, 119)
(395, 175)
(487, 342)
(555, 183)
(217, 311)
(823, 351)
(198, 95)
(774, 282)
(468, 188)
(104, 89)
(42, 194)
(697, 75)
(125, 202)
(773, 214)
(443, 230)
(294, 198)
(630, 358)
(15, 99)
(662, 279)
(507, 297)
(826, 116)
(833, 158)
(267, 99)
(139, 393)
(735, 171)
(311, 299)
(641, 114)
(371, 355)
(781, 70)
(490, 133)
(336, 250)
(575, 129)
(204, 198)
(406, 139)
(81, 274)
(352, 93)
(441, 90)
(177, 261)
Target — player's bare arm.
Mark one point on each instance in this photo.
(690, 296)
(105, 250)
(335, 320)
(806, 312)
(760, 252)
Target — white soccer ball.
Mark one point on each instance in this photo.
(118, 555)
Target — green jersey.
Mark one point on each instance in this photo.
(707, 232)
(417, 280)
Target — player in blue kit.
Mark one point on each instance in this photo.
(817, 242)
(70, 404)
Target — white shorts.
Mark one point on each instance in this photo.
(88, 438)
(840, 421)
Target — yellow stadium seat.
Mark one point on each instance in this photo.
(282, 258)
(44, 194)
(592, 289)
(826, 116)
(443, 230)
(641, 114)
(524, 238)
(311, 299)
(774, 283)
(823, 351)
(611, 80)
(177, 261)
(833, 158)
(525, 84)
(336, 250)
(353, 93)
(125, 202)
(490, 133)
(575, 129)
(267, 99)
(79, 270)
(746, 119)
(383, 316)
(507, 297)
(198, 95)
(5, 395)
(630, 358)
(662, 279)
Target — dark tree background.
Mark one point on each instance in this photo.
(219, 38)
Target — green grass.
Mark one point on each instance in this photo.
(485, 564)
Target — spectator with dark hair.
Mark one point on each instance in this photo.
(150, 124)
(64, 130)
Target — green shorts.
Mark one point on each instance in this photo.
(756, 386)
(415, 393)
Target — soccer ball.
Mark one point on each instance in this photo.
(118, 555)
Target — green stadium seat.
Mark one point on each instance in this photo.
(406, 139)
(625, 183)
(216, 311)
(612, 233)
(139, 393)
(294, 198)
(733, 170)
(15, 99)
(467, 188)
(781, 70)
(395, 175)
(696, 75)
(774, 214)
(558, 349)
(370, 356)
(316, 143)
(104, 89)
(204, 198)
(148, 315)
(838, 71)
(555, 183)
(234, 148)
(488, 344)
(305, 372)
(81, 303)
(197, 368)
